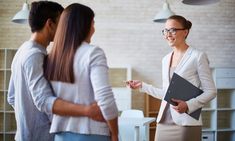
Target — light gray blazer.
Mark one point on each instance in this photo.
(91, 84)
(194, 67)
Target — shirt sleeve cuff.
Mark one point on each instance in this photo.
(189, 111)
(142, 89)
(111, 113)
(50, 102)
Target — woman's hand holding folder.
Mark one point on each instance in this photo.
(181, 106)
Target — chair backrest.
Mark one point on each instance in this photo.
(132, 113)
(127, 131)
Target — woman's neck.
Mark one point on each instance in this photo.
(177, 55)
(180, 49)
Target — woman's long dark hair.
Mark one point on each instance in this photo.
(73, 28)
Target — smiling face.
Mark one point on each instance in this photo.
(175, 33)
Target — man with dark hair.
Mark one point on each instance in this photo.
(29, 92)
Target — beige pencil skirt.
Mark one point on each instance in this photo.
(175, 132)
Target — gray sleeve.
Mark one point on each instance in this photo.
(99, 79)
(11, 93)
(39, 87)
(151, 90)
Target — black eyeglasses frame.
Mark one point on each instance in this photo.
(171, 30)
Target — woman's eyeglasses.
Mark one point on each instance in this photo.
(171, 31)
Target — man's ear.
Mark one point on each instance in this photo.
(49, 23)
(50, 29)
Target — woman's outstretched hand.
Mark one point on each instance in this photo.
(134, 84)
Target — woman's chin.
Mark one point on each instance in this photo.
(170, 44)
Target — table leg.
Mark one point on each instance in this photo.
(137, 133)
(147, 133)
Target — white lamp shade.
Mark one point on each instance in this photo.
(164, 13)
(199, 2)
(22, 16)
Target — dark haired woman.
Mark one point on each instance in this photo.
(78, 73)
(174, 123)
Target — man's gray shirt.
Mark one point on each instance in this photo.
(30, 94)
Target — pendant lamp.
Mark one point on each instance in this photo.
(21, 17)
(199, 2)
(164, 13)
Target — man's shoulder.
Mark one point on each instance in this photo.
(29, 48)
(29, 53)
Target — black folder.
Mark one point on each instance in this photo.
(182, 89)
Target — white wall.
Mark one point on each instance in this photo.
(126, 32)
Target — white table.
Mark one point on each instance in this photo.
(137, 122)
